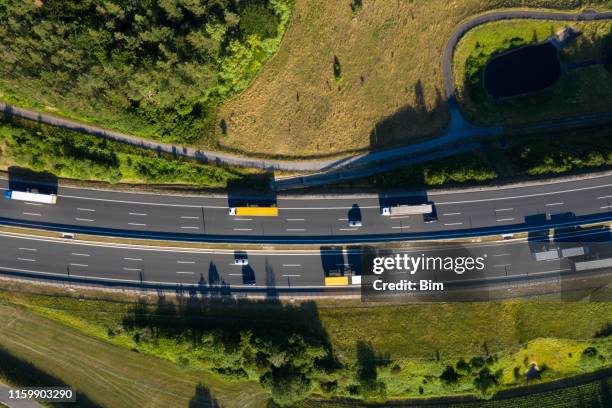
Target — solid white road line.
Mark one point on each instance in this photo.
(342, 219)
(33, 214)
(348, 229)
(604, 197)
(243, 219)
(501, 254)
(397, 217)
(606, 207)
(235, 274)
(291, 275)
(35, 204)
(601, 186)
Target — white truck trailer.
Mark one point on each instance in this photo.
(407, 210)
(30, 197)
(605, 263)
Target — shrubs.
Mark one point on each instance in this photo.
(449, 375)
(73, 155)
(459, 169)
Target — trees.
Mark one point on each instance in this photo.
(156, 68)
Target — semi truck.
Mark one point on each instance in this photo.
(254, 211)
(30, 197)
(605, 263)
(407, 210)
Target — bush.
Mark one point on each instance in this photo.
(590, 352)
(449, 375)
(486, 381)
(477, 362)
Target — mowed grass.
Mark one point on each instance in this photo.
(578, 92)
(417, 341)
(389, 90)
(456, 330)
(113, 376)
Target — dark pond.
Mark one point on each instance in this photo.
(524, 70)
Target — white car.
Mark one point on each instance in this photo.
(355, 223)
(241, 261)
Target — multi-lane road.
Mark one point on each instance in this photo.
(214, 271)
(317, 219)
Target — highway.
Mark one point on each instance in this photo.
(317, 219)
(213, 271)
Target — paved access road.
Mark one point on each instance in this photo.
(267, 270)
(457, 131)
(316, 219)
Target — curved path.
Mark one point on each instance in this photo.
(449, 86)
(458, 131)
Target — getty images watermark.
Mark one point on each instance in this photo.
(400, 264)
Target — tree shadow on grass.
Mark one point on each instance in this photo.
(203, 398)
(22, 373)
(406, 125)
(284, 346)
(367, 371)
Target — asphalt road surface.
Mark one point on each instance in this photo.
(316, 219)
(214, 270)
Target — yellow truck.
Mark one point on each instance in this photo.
(336, 280)
(254, 211)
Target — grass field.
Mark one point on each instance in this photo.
(389, 90)
(111, 376)
(408, 347)
(582, 91)
(596, 393)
